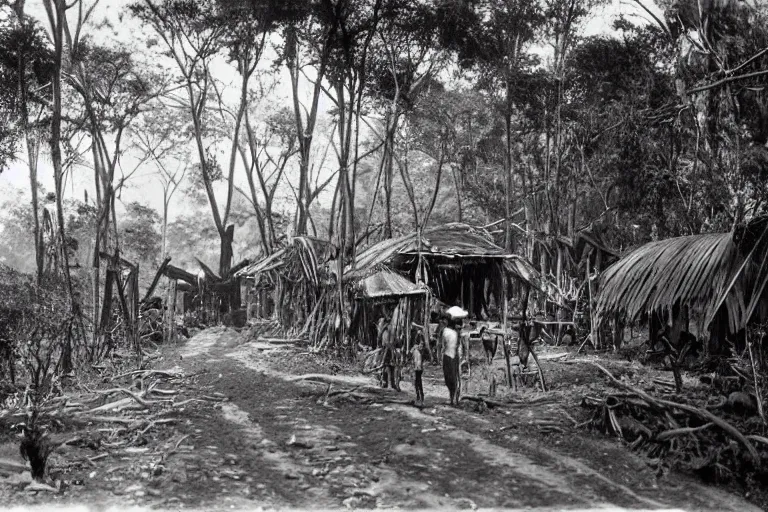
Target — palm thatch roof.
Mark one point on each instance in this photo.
(703, 272)
(455, 240)
(452, 241)
(265, 264)
(386, 283)
(309, 252)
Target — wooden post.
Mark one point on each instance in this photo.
(248, 289)
(593, 332)
(526, 338)
(172, 311)
(504, 324)
(407, 324)
(135, 306)
(167, 313)
(561, 285)
(426, 333)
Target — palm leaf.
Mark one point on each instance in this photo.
(703, 272)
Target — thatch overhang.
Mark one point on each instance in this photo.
(270, 262)
(387, 284)
(703, 272)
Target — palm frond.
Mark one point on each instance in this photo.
(703, 272)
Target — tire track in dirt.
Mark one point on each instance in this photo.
(534, 478)
(411, 458)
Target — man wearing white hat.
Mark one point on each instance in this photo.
(450, 344)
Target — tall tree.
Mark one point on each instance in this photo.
(193, 34)
(113, 92)
(405, 58)
(265, 154)
(162, 136)
(27, 61)
(493, 37)
(56, 14)
(307, 40)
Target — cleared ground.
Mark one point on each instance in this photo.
(278, 442)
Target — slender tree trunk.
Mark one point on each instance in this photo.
(225, 233)
(508, 169)
(264, 235)
(572, 209)
(457, 185)
(389, 148)
(166, 201)
(555, 203)
(58, 170)
(33, 148)
(435, 193)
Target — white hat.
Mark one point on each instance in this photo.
(456, 312)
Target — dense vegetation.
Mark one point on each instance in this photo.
(351, 121)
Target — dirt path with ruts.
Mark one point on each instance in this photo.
(287, 447)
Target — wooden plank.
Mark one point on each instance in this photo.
(160, 271)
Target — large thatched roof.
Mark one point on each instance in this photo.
(703, 272)
(454, 240)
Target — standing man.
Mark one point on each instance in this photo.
(450, 345)
(386, 341)
(418, 369)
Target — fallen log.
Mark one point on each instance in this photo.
(326, 379)
(592, 401)
(662, 382)
(128, 392)
(701, 413)
(489, 403)
(117, 404)
(9, 467)
(280, 341)
(667, 434)
(168, 374)
(759, 439)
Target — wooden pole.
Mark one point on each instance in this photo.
(426, 333)
(248, 289)
(593, 332)
(172, 311)
(504, 323)
(561, 285)
(407, 324)
(167, 313)
(135, 307)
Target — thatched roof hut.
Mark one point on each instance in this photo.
(290, 279)
(705, 273)
(386, 293)
(460, 264)
(305, 252)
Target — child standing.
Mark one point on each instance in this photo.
(418, 368)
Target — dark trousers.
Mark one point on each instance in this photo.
(452, 380)
(418, 385)
(390, 377)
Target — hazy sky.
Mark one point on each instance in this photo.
(144, 186)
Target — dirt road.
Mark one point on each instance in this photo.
(277, 442)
